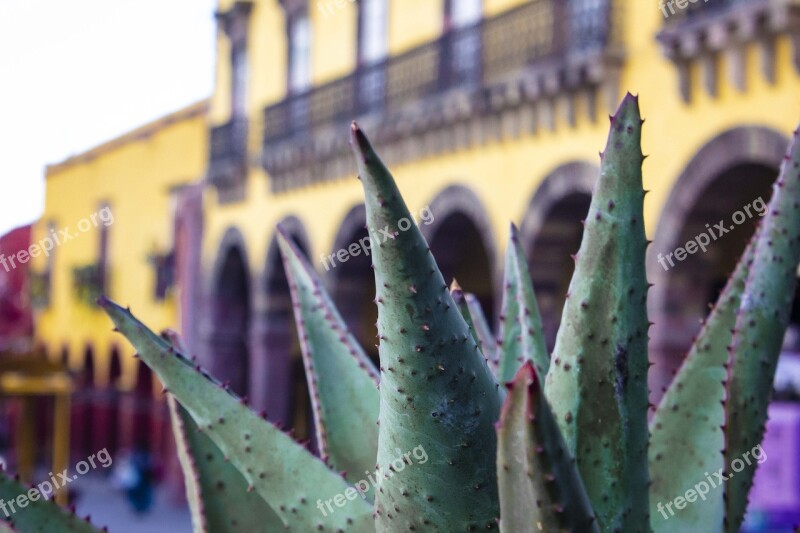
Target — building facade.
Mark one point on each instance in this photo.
(109, 226)
(487, 111)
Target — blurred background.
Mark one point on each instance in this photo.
(152, 147)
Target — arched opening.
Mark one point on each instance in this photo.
(550, 258)
(106, 409)
(717, 202)
(143, 409)
(460, 238)
(693, 281)
(231, 317)
(551, 232)
(286, 395)
(351, 282)
(82, 431)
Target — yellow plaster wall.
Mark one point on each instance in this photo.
(134, 176)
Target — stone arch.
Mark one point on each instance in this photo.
(551, 231)
(728, 173)
(83, 401)
(278, 367)
(228, 339)
(461, 239)
(351, 282)
(64, 355)
(142, 408)
(105, 423)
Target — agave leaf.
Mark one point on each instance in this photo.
(40, 516)
(342, 380)
(521, 332)
(540, 488)
(760, 327)
(289, 478)
(687, 436)
(471, 310)
(216, 491)
(597, 383)
(437, 392)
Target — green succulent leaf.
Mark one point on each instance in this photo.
(471, 310)
(540, 488)
(687, 437)
(289, 478)
(760, 326)
(342, 380)
(437, 392)
(39, 516)
(521, 330)
(597, 382)
(216, 491)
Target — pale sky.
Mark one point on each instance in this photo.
(74, 73)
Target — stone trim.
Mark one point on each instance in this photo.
(234, 21)
(232, 238)
(743, 145)
(576, 177)
(459, 199)
(726, 34)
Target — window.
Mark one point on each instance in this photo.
(462, 19)
(235, 23)
(465, 12)
(239, 79)
(373, 42)
(373, 47)
(299, 54)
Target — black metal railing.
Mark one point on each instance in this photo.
(227, 150)
(164, 269)
(700, 10)
(490, 51)
(88, 283)
(39, 284)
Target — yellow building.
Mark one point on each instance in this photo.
(108, 227)
(487, 111)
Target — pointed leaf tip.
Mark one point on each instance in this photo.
(359, 142)
(628, 109)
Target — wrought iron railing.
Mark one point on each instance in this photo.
(88, 283)
(537, 32)
(227, 151)
(39, 284)
(164, 269)
(700, 10)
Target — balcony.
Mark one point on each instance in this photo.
(163, 265)
(540, 50)
(228, 156)
(39, 283)
(88, 283)
(706, 32)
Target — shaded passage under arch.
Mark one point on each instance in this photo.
(352, 282)
(231, 322)
(552, 231)
(282, 389)
(730, 172)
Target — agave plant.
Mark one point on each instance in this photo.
(512, 437)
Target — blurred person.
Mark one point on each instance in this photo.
(135, 475)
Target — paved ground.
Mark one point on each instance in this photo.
(108, 507)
